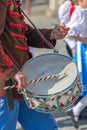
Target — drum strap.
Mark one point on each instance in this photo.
(9, 95)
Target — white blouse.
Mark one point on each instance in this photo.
(78, 25)
(63, 12)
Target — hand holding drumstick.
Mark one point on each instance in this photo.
(23, 82)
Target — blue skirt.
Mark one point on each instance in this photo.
(80, 58)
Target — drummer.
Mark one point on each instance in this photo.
(15, 39)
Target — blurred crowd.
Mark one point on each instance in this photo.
(52, 6)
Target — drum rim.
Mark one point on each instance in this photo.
(63, 91)
(49, 95)
(44, 55)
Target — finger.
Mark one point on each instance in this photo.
(62, 25)
(67, 28)
(22, 83)
(19, 86)
(61, 32)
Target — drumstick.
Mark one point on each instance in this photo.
(60, 76)
(48, 77)
(63, 74)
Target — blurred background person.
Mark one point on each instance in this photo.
(65, 12)
(28, 6)
(77, 40)
(51, 10)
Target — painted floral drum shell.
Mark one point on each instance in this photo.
(47, 92)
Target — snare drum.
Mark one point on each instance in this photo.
(48, 92)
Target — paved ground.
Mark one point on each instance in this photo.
(39, 18)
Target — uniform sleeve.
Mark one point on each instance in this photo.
(3, 10)
(34, 40)
(75, 25)
(63, 12)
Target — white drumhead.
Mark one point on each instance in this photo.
(47, 65)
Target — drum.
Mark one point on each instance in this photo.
(54, 82)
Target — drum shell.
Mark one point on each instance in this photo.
(53, 102)
(57, 100)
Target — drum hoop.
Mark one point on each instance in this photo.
(49, 95)
(59, 93)
(42, 56)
